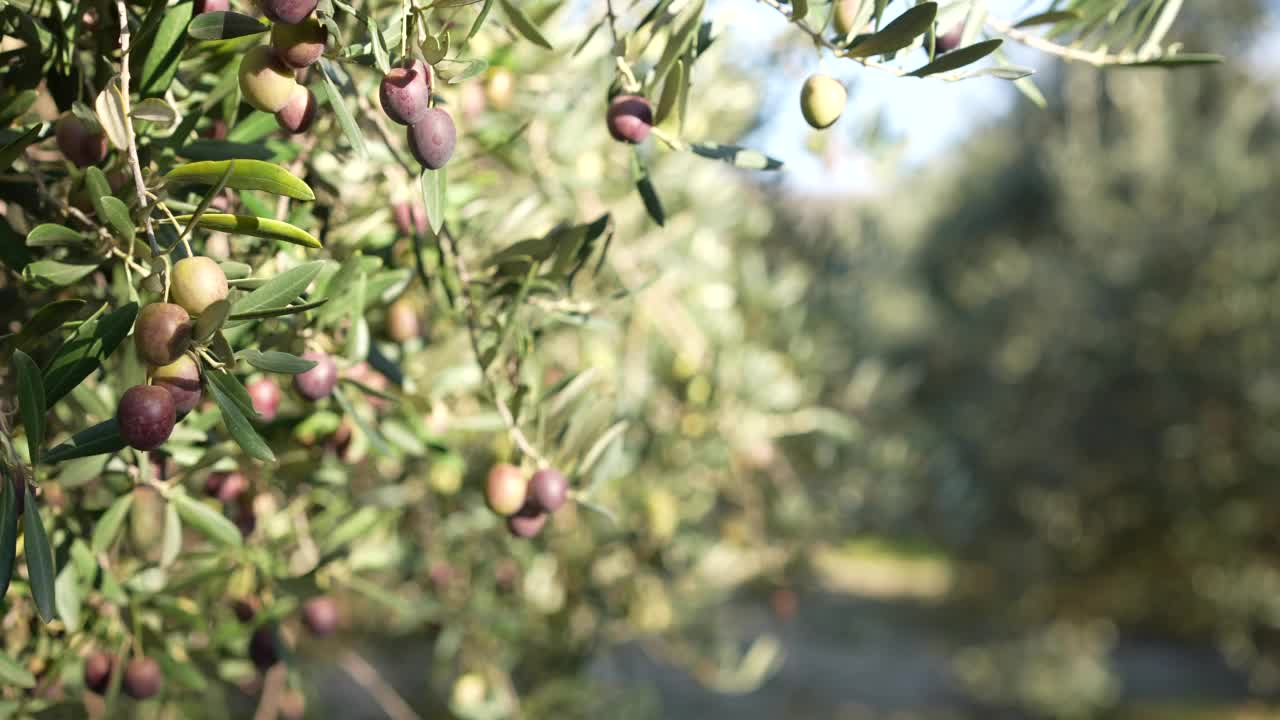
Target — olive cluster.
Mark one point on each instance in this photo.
(405, 93)
(142, 676)
(525, 503)
(146, 414)
(268, 73)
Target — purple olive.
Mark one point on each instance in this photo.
(320, 615)
(264, 648)
(290, 12)
(630, 118)
(143, 678)
(318, 382)
(950, 41)
(549, 489)
(403, 215)
(146, 416)
(433, 138)
(299, 46)
(182, 379)
(226, 486)
(265, 81)
(405, 92)
(245, 608)
(528, 522)
(204, 6)
(297, 115)
(97, 672)
(162, 333)
(265, 394)
(78, 143)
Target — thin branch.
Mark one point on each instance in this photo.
(386, 696)
(613, 25)
(272, 687)
(136, 166)
(1096, 58)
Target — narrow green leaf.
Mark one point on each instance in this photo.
(13, 674)
(93, 342)
(117, 216)
(241, 431)
(224, 26)
(898, 34)
(172, 536)
(231, 386)
(96, 185)
(10, 152)
(67, 595)
(235, 270)
(524, 25)
(52, 273)
(433, 189)
(160, 51)
(205, 202)
(958, 58)
(109, 524)
(736, 156)
(276, 361)
(30, 402)
(14, 105)
(96, 440)
(49, 234)
(40, 567)
(279, 311)
(154, 110)
(379, 43)
(8, 530)
(1003, 72)
(689, 20)
(244, 175)
(1049, 18)
(648, 193)
(484, 13)
(210, 321)
(254, 226)
(253, 128)
(46, 320)
(279, 290)
(341, 111)
(799, 10)
(211, 523)
(109, 108)
(670, 92)
(1175, 60)
(356, 525)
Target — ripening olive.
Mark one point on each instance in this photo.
(433, 138)
(403, 215)
(226, 486)
(146, 520)
(265, 82)
(402, 320)
(297, 115)
(318, 382)
(500, 88)
(506, 489)
(846, 14)
(97, 672)
(265, 394)
(204, 6)
(264, 648)
(822, 99)
(78, 143)
(197, 283)
(419, 218)
(405, 92)
(290, 12)
(162, 333)
(182, 379)
(949, 41)
(243, 516)
(142, 678)
(549, 489)
(300, 45)
(528, 522)
(217, 130)
(245, 608)
(145, 416)
(630, 118)
(320, 615)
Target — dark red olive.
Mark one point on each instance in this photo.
(297, 115)
(182, 379)
(97, 672)
(403, 215)
(145, 416)
(243, 516)
(420, 218)
(291, 12)
(143, 678)
(265, 394)
(320, 615)
(949, 41)
(226, 486)
(549, 489)
(433, 138)
(528, 522)
(299, 46)
(318, 382)
(162, 333)
(204, 6)
(82, 146)
(630, 118)
(264, 648)
(405, 92)
(245, 608)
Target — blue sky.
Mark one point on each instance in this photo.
(924, 116)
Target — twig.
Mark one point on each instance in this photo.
(1097, 58)
(272, 687)
(136, 166)
(386, 696)
(613, 25)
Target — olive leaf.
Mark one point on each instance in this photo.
(40, 567)
(241, 174)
